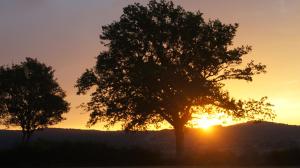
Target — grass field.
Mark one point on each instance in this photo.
(186, 167)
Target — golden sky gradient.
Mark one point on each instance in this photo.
(65, 35)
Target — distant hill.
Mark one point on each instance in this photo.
(262, 136)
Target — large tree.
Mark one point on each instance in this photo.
(161, 61)
(30, 97)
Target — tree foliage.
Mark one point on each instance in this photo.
(161, 61)
(30, 97)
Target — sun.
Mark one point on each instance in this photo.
(208, 117)
(206, 123)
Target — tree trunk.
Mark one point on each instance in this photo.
(26, 135)
(23, 137)
(179, 135)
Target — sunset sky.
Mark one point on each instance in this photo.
(65, 35)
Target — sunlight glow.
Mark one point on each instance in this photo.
(205, 118)
(206, 123)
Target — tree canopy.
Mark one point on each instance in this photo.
(30, 97)
(160, 61)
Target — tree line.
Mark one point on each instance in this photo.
(160, 63)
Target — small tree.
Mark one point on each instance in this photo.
(161, 61)
(30, 97)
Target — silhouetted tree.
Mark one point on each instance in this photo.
(161, 61)
(30, 97)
